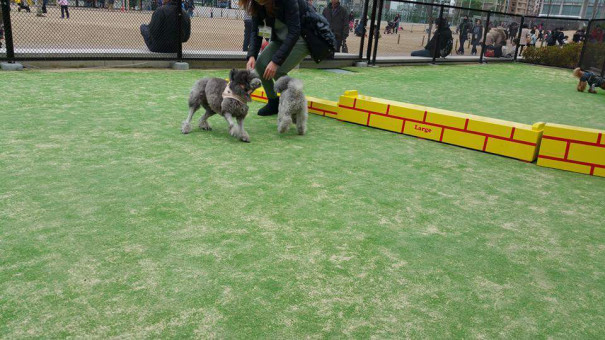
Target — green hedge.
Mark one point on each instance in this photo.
(567, 56)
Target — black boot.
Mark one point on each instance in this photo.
(270, 109)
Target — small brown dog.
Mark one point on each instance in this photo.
(588, 78)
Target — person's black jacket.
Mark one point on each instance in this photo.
(339, 23)
(300, 20)
(444, 34)
(163, 30)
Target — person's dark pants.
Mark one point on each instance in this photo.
(64, 12)
(338, 45)
(146, 36)
(474, 50)
(247, 30)
(422, 53)
(44, 3)
(462, 41)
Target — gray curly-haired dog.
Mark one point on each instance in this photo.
(292, 105)
(229, 99)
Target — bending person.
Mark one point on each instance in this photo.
(161, 34)
(291, 41)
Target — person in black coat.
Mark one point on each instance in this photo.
(161, 35)
(444, 34)
(296, 31)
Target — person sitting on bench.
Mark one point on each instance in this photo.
(161, 34)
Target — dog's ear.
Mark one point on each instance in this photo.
(232, 74)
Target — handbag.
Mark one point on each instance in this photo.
(318, 36)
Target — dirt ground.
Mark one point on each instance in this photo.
(100, 28)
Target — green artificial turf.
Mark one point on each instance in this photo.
(114, 224)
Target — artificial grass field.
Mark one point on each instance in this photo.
(114, 224)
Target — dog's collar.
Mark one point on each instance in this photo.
(228, 93)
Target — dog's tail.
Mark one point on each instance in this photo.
(578, 72)
(286, 82)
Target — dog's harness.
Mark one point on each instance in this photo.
(592, 79)
(228, 93)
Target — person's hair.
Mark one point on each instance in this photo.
(253, 6)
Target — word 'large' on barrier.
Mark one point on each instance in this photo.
(490, 135)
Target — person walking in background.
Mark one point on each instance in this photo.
(247, 29)
(464, 29)
(110, 4)
(64, 8)
(338, 17)
(477, 36)
(525, 39)
(162, 32)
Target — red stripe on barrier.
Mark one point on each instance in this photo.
(441, 137)
(441, 126)
(403, 126)
(325, 111)
(368, 122)
(592, 171)
(424, 118)
(388, 109)
(466, 125)
(355, 103)
(567, 150)
(512, 133)
(599, 139)
(310, 105)
(573, 141)
(570, 161)
(485, 144)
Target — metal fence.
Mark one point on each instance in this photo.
(471, 28)
(115, 29)
(593, 53)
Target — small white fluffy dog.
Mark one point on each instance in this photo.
(292, 105)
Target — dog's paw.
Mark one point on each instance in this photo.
(185, 128)
(205, 126)
(245, 138)
(234, 131)
(302, 130)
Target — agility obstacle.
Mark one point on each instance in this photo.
(556, 146)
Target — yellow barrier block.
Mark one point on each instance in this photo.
(587, 153)
(259, 95)
(322, 107)
(446, 118)
(464, 139)
(386, 123)
(573, 149)
(573, 133)
(563, 165)
(408, 111)
(480, 133)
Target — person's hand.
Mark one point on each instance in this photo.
(270, 71)
(251, 63)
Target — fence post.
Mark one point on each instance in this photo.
(438, 35)
(519, 37)
(584, 43)
(363, 22)
(377, 28)
(8, 31)
(484, 36)
(370, 33)
(179, 23)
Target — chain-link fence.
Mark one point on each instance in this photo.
(593, 54)
(212, 29)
